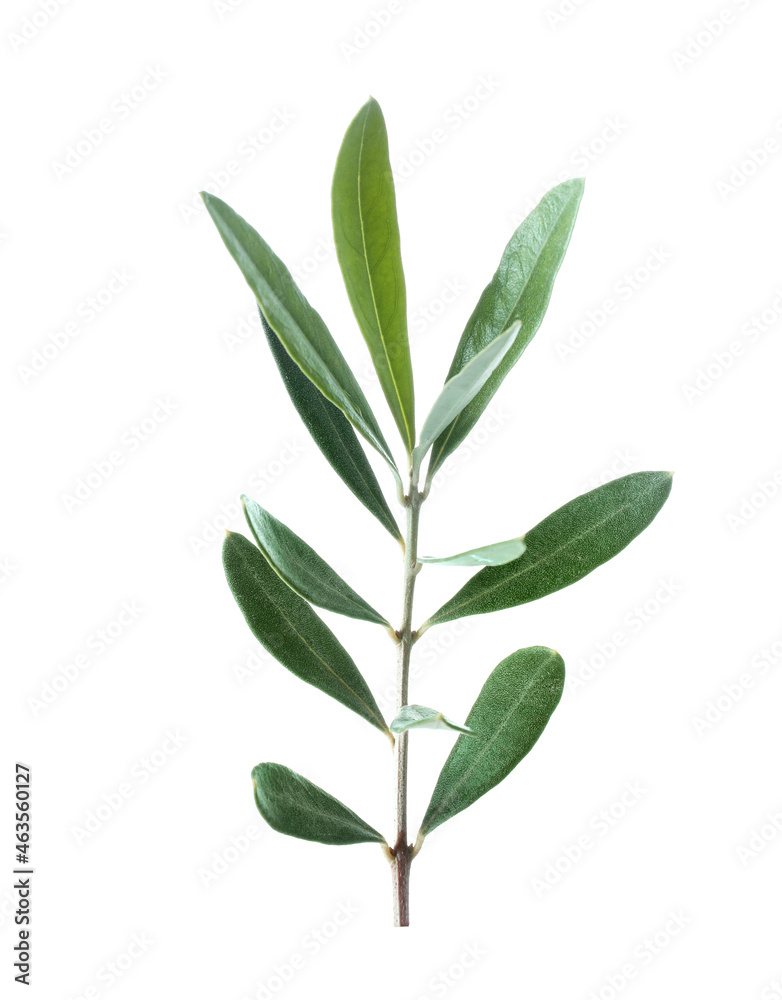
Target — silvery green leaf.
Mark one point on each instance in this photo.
(421, 717)
(496, 554)
(460, 390)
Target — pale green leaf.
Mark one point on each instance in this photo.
(421, 717)
(366, 233)
(496, 554)
(460, 390)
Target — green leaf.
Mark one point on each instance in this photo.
(289, 629)
(460, 390)
(291, 804)
(496, 554)
(332, 433)
(366, 233)
(519, 290)
(299, 327)
(565, 546)
(303, 569)
(511, 712)
(421, 717)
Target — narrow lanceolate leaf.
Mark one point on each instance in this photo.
(289, 629)
(421, 717)
(299, 327)
(332, 433)
(291, 804)
(366, 233)
(565, 546)
(496, 554)
(303, 569)
(520, 290)
(460, 390)
(511, 712)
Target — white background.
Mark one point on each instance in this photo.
(657, 105)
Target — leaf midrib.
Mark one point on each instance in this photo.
(547, 558)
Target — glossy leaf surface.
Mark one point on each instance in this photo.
(366, 233)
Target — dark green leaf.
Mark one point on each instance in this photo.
(303, 569)
(520, 290)
(565, 546)
(296, 323)
(421, 717)
(511, 712)
(496, 554)
(291, 804)
(289, 629)
(332, 433)
(366, 233)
